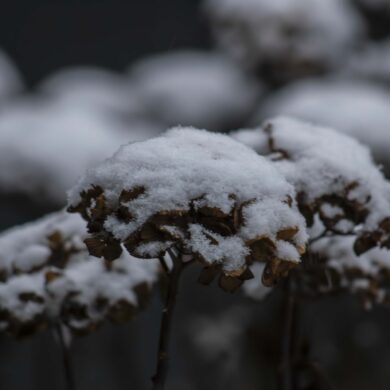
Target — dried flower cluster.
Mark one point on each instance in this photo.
(204, 194)
(367, 275)
(345, 201)
(334, 176)
(47, 277)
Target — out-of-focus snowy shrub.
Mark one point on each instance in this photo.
(93, 88)
(359, 109)
(48, 277)
(285, 39)
(206, 194)
(372, 62)
(10, 81)
(46, 144)
(201, 89)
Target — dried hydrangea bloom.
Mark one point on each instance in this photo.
(202, 193)
(334, 176)
(351, 107)
(47, 276)
(367, 275)
(285, 39)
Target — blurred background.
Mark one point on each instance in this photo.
(80, 78)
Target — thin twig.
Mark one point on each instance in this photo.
(159, 378)
(285, 369)
(164, 264)
(66, 361)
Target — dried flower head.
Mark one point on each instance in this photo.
(334, 176)
(47, 276)
(367, 275)
(202, 193)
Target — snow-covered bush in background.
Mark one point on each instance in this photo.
(48, 278)
(359, 109)
(93, 88)
(46, 144)
(194, 88)
(285, 39)
(210, 196)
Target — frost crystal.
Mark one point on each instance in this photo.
(199, 192)
(47, 276)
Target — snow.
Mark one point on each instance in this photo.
(47, 262)
(360, 109)
(199, 182)
(202, 89)
(45, 144)
(253, 288)
(322, 163)
(309, 31)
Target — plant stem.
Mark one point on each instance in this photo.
(285, 369)
(69, 379)
(166, 323)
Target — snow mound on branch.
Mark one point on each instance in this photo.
(47, 275)
(200, 89)
(10, 81)
(46, 145)
(359, 109)
(312, 30)
(322, 163)
(220, 195)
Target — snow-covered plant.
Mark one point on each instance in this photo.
(345, 200)
(367, 275)
(334, 176)
(205, 194)
(49, 279)
(285, 39)
(196, 196)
